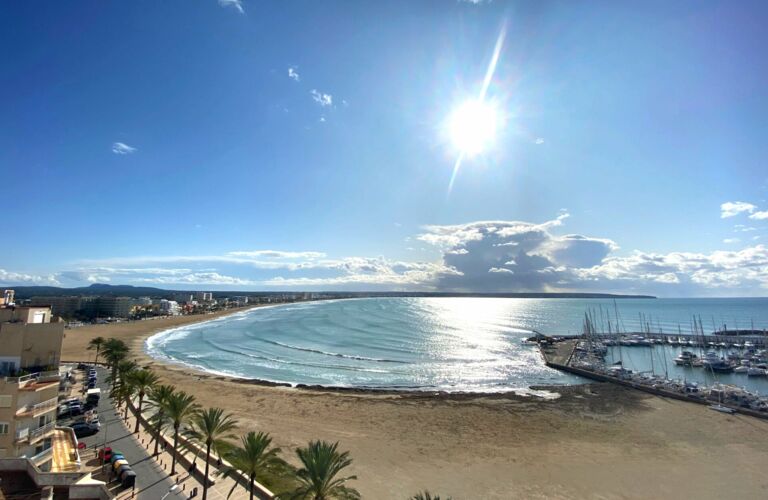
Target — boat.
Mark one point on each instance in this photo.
(754, 371)
(722, 367)
(741, 369)
(686, 358)
(722, 409)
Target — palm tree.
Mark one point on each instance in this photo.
(426, 495)
(179, 407)
(122, 392)
(212, 427)
(142, 381)
(158, 395)
(96, 343)
(252, 457)
(322, 462)
(114, 350)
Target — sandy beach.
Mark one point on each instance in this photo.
(595, 441)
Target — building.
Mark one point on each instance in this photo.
(107, 307)
(169, 307)
(66, 307)
(30, 349)
(204, 296)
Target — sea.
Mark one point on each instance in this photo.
(446, 343)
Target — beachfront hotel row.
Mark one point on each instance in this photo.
(34, 451)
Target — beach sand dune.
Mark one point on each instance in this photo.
(596, 441)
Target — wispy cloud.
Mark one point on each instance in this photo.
(293, 74)
(734, 208)
(741, 228)
(121, 148)
(729, 241)
(321, 98)
(762, 215)
(15, 278)
(540, 140)
(235, 4)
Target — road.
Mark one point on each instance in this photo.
(151, 481)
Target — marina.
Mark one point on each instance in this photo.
(728, 371)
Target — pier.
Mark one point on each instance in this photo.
(709, 340)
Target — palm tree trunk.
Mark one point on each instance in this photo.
(96, 359)
(157, 432)
(251, 488)
(114, 376)
(175, 443)
(207, 465)
(138, 415)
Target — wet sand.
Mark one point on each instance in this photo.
(595, 441)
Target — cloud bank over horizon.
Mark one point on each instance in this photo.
(480, 256)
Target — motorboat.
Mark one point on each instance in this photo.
(685, 358)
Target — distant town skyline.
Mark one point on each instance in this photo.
(468, 146)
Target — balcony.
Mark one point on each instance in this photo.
(37, 409)
(43, 456)
(35, 434)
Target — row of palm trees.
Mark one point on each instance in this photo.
(319, 477)
(213, 429)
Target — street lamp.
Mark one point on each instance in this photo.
(173, 489)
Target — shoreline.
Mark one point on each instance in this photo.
(141, 349)
(594, 440)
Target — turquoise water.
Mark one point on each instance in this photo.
(452, 344)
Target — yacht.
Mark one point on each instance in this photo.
(686, 358)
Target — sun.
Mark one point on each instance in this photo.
(473, 125)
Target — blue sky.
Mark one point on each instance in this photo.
(303, 145)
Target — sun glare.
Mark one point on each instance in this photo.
(472, 126)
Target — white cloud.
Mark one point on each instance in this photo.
(500, 270)
(278, 254)
(540, 140)
(14, 278)
(235, 4)
(741, 228)
(731, 240)
(321, 98)
(733, 208)
(293, 74)
(120, 148)
(762, 215)
(207, 278)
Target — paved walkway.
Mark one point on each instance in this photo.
(217, 491)
(151, 481)
(152, 474)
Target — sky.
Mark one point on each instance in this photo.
(613, 146)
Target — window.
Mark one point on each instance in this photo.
(3, 428)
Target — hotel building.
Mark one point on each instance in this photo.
(30, 350)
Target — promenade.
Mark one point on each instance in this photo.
(152, 474)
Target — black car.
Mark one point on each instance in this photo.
(83, 429)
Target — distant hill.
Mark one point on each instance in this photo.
(25, 292)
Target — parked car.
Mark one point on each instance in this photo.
(83, 430)
(92, 423)
(75, 409)
(63, 411)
